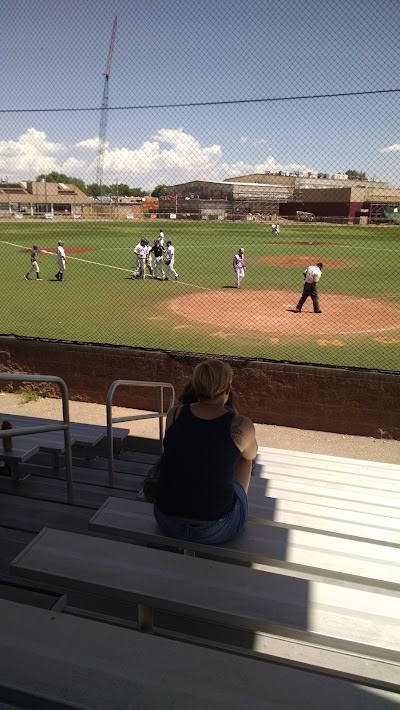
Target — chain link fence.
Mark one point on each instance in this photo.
(257, 139)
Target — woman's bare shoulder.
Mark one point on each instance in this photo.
(241, 428)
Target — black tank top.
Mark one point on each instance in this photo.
(197, 466)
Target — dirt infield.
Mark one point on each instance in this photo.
(234, 311)
(295, 260)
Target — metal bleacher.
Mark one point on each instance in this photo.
(301, 611)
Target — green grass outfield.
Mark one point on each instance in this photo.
(99, 302)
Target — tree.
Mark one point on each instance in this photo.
(138, 192)
(356, 175)
(94, 190)
(122, 189)
(60, 177)
(159, 191)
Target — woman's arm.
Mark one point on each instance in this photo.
(244, 435)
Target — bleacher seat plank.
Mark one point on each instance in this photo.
(83, 434)
(219, 593)
(374, 564)
(339, 500)
(51, 445)
(371, 527)
(20, 452)
(82, 663)
(346, 480)
(282, 488)
(324, 460)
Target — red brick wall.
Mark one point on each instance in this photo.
(320, 398)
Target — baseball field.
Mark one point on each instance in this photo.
(201, 312)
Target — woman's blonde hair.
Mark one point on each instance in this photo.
(210, 378)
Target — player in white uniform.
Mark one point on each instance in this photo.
(34, 264)
(147, 256)
(169, 261)
(60, 260)
(275, 229)
(161, 238)
(140, 251)
(239, 266)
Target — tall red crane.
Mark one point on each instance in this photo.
(104, 113)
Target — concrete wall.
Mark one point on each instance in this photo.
(320, 398)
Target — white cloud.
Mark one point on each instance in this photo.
(31, 154)
(268, 165)
(89, 144)
(72, 165)
(174, 154)
(170, 156)
(391, 148)
(38, 140)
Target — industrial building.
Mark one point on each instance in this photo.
(348, 205)
(333, 198)
(201, 199)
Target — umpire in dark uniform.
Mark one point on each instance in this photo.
(311, 276)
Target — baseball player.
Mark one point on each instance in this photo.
(169, 262)
(161, 238)
(157, 250)
(311, 276)
(140, 251)
(61, 260)
(147, 257)
(34, 264)
(239, 266)
(275, 229)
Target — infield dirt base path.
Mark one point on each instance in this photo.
(238, 310)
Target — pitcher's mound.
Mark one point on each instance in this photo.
(239, 310)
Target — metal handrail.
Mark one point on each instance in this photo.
(134, 417)
(65, 426)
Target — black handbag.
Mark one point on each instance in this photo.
(148, 489)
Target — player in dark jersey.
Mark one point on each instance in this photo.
(34, 264)
(157, 250)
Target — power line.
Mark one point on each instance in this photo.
(230, 102)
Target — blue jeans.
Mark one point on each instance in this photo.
(212, 532)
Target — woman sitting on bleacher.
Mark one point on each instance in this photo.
(206, 465)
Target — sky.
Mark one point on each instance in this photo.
(53, 55)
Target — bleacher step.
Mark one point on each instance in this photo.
(120, 669)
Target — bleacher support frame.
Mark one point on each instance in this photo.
(135, 417)
(64, 426)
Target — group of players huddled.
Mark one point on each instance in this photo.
(163, 256)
